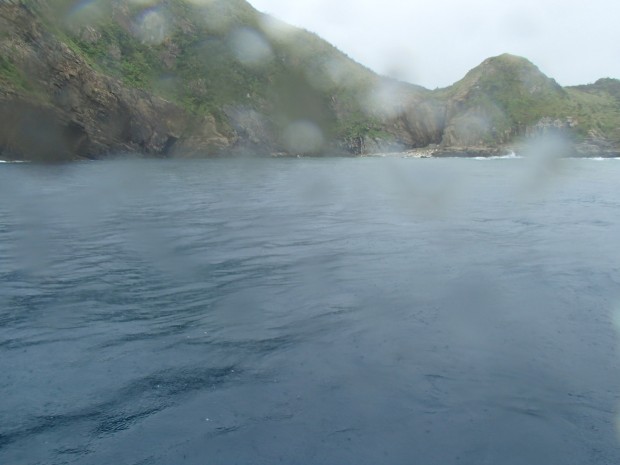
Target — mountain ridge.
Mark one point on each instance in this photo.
(181, 79)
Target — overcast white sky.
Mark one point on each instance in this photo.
(435, 42)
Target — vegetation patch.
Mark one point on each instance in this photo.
(12, 76)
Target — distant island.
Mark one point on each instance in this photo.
(86, 80)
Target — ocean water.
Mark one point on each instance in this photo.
(310, 311)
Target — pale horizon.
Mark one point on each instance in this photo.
(435, 43)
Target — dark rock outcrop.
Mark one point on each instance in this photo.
(70, 110)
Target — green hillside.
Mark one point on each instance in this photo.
(190, 78)
(209, 56)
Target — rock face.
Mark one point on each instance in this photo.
(217, 78)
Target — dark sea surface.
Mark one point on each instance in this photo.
(310, 311)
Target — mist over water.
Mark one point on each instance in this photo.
(318, 311)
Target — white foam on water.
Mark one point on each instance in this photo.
(509, 156)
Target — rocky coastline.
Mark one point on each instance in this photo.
(91, 91)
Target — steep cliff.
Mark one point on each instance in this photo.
(54, 104)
